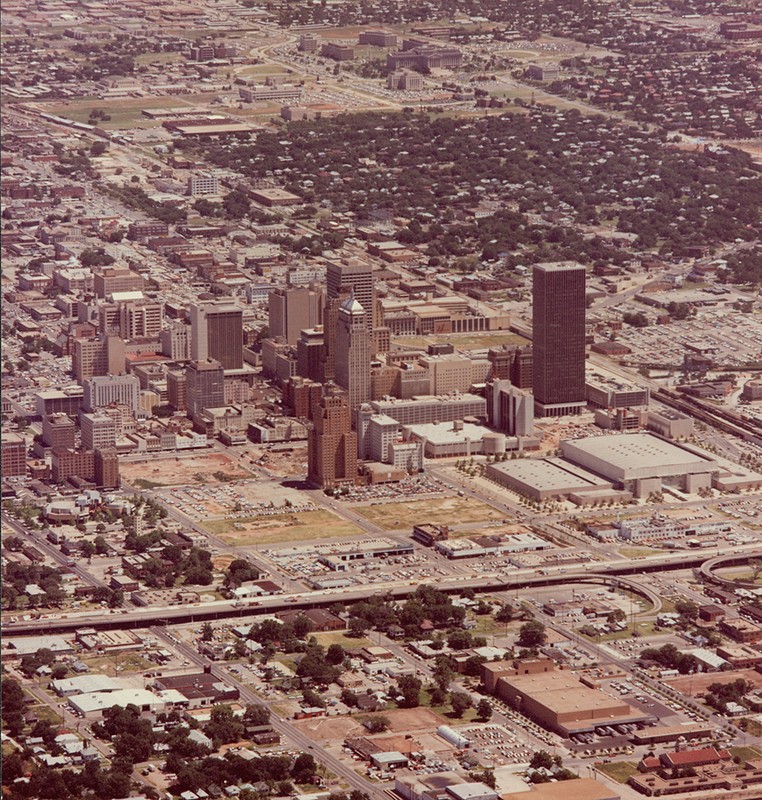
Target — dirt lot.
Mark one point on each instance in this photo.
(182, 471)
(443, 511)
(413, 719)
(419, 743)
(333, 729)
(329, 729)
(301, 526)
(694, 685)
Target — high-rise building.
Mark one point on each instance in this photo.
(58, 430)
(204, 386)
(103, 390)
(13, 449)
(310, 354)
(116, 279)
(103, 355)
(332, 446)
(558, 331)
(292, 310)
(303, 397)
(509, 408)
(132, 319)
(217, 333)
(176, 341)
(106, 468)
(352, 366)
(356, 278)
(98, 431)
(177, 384)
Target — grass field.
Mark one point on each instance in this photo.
(282, 528)
(619, 771)
(47, 714)
(327, 638)
(745, 753)
(445, 511)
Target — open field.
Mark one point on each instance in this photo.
(301, 526)
(117, 663)
(619, 771)
(327, 638)
(125, 112)
(445, 511)
(694, 685)
(47, 714)
(197, 469)
(329, 729)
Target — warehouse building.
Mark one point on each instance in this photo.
(642, 463)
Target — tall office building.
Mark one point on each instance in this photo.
(352, 366)
(103, 390)
(133, 319)
(103, 355)
(204, 386)
(217, 333)
(98, 431)
(13, 455)
(58, 430)
(509, 408)
(356, 278)
(332, 446)
(558, 332)
(176, 341)
(292, 310)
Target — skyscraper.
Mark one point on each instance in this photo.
(355, 277)
(217, 333)
(352, 365)
(332, 446)
(291, 310)
(558, 331)
(205, 386)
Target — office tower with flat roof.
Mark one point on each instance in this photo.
(217, 333)
(103, 355)
(104, 390)
(332, 445)
(176, 341)
(58, 430)
(13, 455)
(356, 278)
(98, 431)
(352, 366)
(292, 310)
(558, 332)
(204, 386)
(106, 468)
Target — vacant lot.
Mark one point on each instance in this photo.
(302, 526)
(694, 685)
(620, 771)
(179, 471)
(443, 511)
(329, 729)
(327, 638)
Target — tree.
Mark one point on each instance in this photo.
(335, 654)
(484, 709)
(256, 715)
(207, 632)
(376, 724)
(532, 635)
(223, 727)
(687, 609)
(304, 769)
(410, 689)
(542, 759)
(460, 702)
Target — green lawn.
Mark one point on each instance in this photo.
(46, 713)
(745, 753)
(619, 771)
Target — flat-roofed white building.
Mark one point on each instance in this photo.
(642, 462)
(545, 478)
(93, 704)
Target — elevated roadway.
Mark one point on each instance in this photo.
(612, 573)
